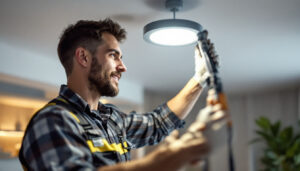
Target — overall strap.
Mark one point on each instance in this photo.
(121, 133)
(76, 114)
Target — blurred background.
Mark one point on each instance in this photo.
(257, 42)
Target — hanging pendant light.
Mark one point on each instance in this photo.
(172, 32)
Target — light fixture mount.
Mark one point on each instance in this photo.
(172, 32)
(174, 5)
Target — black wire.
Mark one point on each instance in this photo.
(230, 150)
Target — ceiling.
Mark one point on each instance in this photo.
(257, 40)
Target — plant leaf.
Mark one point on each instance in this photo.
(264, 135)
(286, 135)
(292, 150)
(263, 123)
(270, 154)
(297, 159)
(279, 160)
(275, 128)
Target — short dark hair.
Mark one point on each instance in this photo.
(88, 34)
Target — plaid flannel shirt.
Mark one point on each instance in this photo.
(55, 141)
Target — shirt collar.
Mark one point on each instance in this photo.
(77, 100)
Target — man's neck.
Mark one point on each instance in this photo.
(82, 89)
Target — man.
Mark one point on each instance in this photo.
(77, 132)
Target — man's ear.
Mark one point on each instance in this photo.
(82, 56)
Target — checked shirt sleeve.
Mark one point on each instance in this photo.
(54, 142)
(152, 127)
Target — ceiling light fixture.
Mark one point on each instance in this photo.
(172, 32)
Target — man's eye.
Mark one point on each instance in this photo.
(113, 55)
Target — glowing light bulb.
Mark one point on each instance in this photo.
(174, 36)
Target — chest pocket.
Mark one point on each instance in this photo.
(104, 152)
(100, 144)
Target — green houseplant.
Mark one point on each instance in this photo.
(282, 151)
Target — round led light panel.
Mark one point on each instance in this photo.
(172, 32)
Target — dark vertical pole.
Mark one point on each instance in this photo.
(206, 164)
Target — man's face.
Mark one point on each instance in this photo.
(106, 67)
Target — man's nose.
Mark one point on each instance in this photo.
(121, 67)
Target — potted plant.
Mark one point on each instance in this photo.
(282, 151)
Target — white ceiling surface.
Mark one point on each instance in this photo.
(257, 40)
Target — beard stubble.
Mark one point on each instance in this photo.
(100, 81)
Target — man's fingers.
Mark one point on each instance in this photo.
(218, 116)
(208, 117)
(172, 137)
(216, 107)
(197, 126)
(211, 92)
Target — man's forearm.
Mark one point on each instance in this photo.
(160, 159)
(184, 101)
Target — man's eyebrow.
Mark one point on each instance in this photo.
(116, 51)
